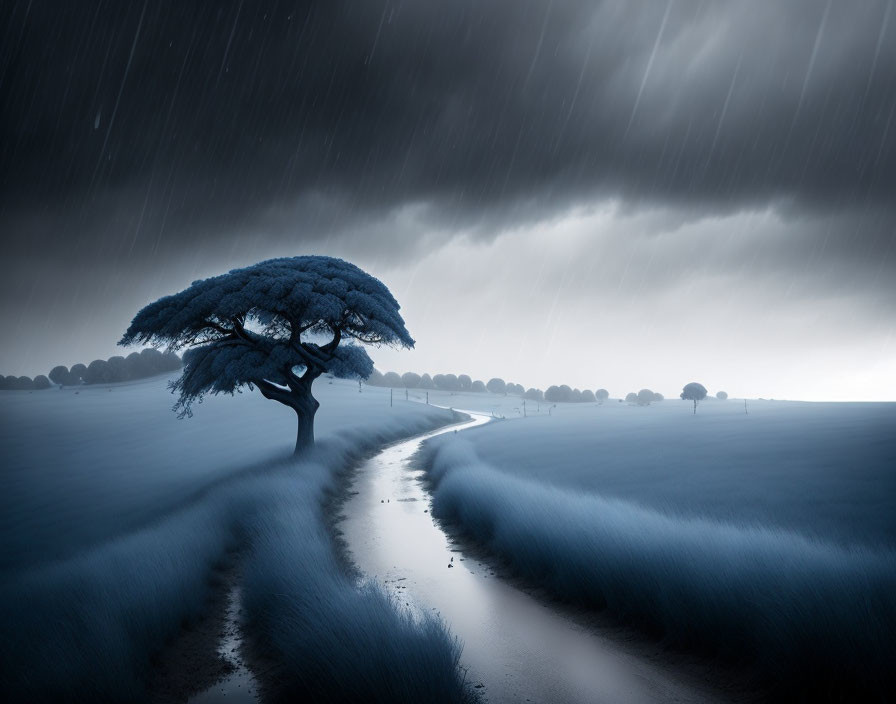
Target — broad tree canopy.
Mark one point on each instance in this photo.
(694, 392)
(276, 325)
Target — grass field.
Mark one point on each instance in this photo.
(766, 537)
(115, 514)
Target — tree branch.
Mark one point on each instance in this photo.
(239, 330)
(274, 392)
(334, 343)
(215, 326)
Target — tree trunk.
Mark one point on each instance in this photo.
(299, 399)
(305, 407)
(695, 406)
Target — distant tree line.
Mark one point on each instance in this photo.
(462, 382)
(644, 397)
(24, 383)
(443, 382)
(565, 394)
(137, 365)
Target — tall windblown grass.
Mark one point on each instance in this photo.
(812, 615)
(332, 640)
(84, 628)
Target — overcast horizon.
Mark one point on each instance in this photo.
(598, 194)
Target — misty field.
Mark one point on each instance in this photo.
(115, 515)
(767, 538)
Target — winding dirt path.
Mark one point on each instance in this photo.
(516, 649)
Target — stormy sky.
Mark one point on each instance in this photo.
(608, 194)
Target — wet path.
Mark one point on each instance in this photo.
(515, 647)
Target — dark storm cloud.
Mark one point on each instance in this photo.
(146, 143)
(202, 113)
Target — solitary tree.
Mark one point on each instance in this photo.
(694, 392)
(722, 395)
(277, 326)
(602, 395)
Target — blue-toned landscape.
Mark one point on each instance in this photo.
(483, 352)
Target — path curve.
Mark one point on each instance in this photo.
(516, 649)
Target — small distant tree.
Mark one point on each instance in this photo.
(451, 382)
(152, 358)
(645, 396)
(426, 382)
(137, 368)
(23, 383)
(588, 396)
(465, 382)
(118, 369)
(376, 378)
(658, 397)
(534, 395)
(392, 379)
(601, 395)
(411, 380)
(7, 383)
(59, 375)
(631, 397)
(41, 382)
(576, 396)
(496, 386)
(722, 396)
(694, 392)
(98, 372)
(170, 361)
(478, 387)
(76, 374)
(276, 326)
